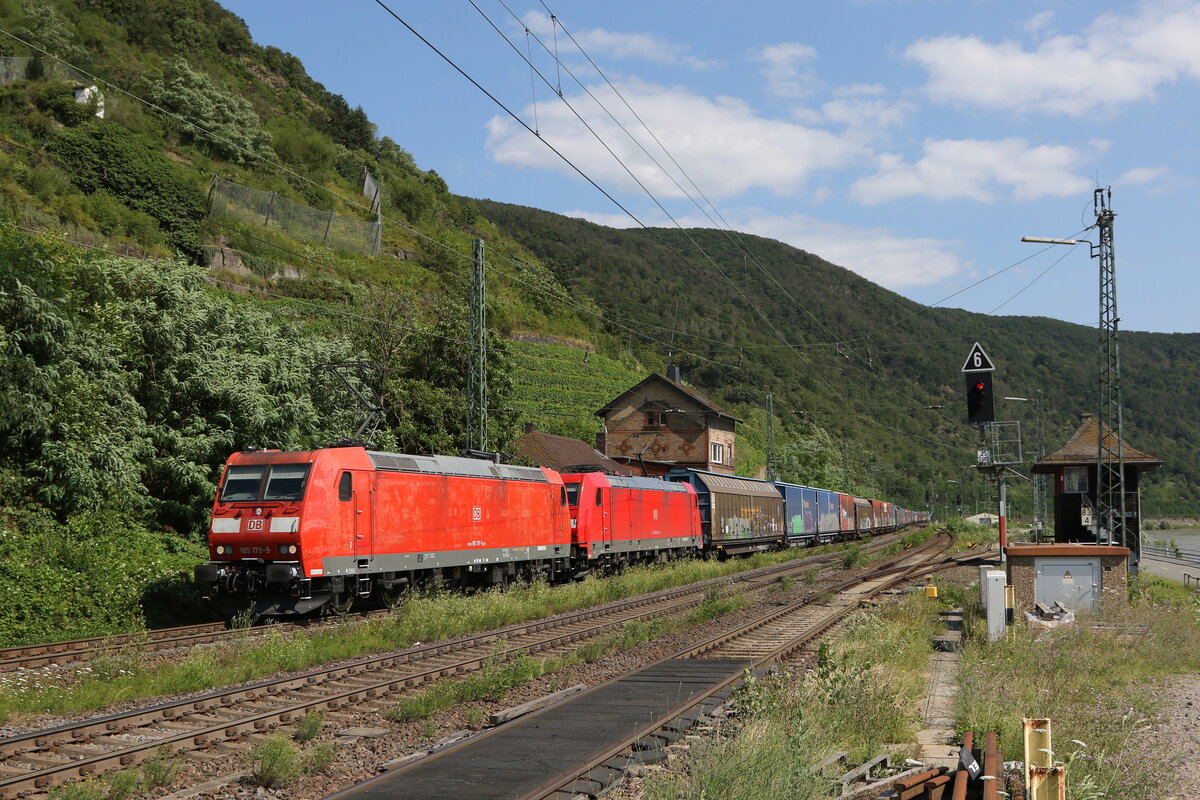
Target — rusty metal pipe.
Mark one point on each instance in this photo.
(992, 766)
(961, 778)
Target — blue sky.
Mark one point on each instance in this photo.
(912, 141)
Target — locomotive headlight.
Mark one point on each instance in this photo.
(287, 549)
(220, 549)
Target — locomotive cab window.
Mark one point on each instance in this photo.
(563, 492)
(286, 482)
(346, 487)
(242, 484)
(599, 496)
(573, 494)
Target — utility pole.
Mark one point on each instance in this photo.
(1040, 522)
(1110, 450)
(1039, 480)
(1110, 496)
(771, 467)
(477, 438)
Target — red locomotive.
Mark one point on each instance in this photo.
(301, 531)
(621, 520)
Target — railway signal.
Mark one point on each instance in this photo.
(977, 370)
(980, 404)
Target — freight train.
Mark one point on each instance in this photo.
(304, 532)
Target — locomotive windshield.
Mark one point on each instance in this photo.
(573, 493)
(286, 482)
(244, 484)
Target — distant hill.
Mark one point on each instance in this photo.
(896, 356)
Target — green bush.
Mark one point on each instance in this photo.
(134, 169)
(58, 99)
(223, 122)
(274, 762)
(82, 578)
(309, 726)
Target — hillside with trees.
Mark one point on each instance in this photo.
(151, 322)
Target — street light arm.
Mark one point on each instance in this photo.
(1047, 240)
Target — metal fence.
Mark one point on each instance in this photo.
(1177, 553)
(233, 202)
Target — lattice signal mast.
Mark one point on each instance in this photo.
(1110, 450)
(477, 438)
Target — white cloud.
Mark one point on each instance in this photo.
(894, 262)
(598, 41)
(877, 254)
(1037, 22)
(724, 145)
(1119, 59)
(785, 78)
(1142, 175)
(869, 116)
(978, 170)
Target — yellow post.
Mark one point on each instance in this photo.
(930, 589)
(1038, 753)
(1047, 783)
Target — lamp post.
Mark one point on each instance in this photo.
(1110, 452)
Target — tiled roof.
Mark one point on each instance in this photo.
(700, 400)
(564, 454)
(1080, 449)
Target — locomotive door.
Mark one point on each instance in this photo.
(356, 501)
(604, 506)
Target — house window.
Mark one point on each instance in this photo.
(717, 453)
(1075, 480)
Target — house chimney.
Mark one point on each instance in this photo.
(530, 427)
(673, 373)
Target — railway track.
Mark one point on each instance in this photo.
(34, 761)
(576, 748)
(77, 651)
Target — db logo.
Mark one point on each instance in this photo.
(254, 525)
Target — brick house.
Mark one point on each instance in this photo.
(660, 424)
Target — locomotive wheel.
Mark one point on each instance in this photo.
(391, 598)
(339, 605)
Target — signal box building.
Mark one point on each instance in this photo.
(1074, 469)
(660, 425)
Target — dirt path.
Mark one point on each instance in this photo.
(1180, 731)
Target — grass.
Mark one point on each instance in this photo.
(858, 698)
(276, 762)
(1099, 686)
(424, 616)
(968, 535)
(158, 773)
